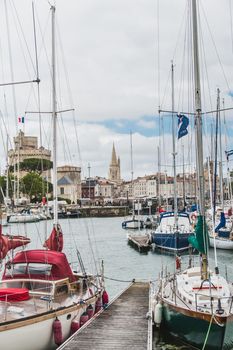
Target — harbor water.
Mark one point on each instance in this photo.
(98, 239)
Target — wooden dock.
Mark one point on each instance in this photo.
(124, 325)
(140, 242)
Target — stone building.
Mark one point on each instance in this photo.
(69, 182)
(114, 173)
(26, 147)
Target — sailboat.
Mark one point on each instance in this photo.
(195, 303)
(42, 300)
(175, 227)
(221, 234)
(133, 222)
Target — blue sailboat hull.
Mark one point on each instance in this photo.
(171, 241)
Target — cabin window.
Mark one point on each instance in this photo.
(16, 269)
(62, 190)
(39, 269)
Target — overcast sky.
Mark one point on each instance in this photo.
(113, 67)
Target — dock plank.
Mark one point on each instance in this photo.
(123, 325)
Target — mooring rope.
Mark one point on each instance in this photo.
(208, 332)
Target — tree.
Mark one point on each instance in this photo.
(32, 184)
(3, 187)
(34, 164)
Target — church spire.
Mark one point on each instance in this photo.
(114, 173)
(114, 157)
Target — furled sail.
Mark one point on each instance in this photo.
(200, 240)
(55, 240)
(222, 222)
(8, 242)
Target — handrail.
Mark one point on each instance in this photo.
(150, 320)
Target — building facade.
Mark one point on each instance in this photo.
(69, 182)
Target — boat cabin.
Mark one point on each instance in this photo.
(39, 264)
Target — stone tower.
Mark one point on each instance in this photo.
(114, 173)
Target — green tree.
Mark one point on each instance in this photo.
(32, 184)
(3, 187)
(34, 164)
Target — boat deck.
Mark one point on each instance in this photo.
(123, 325)
(140, 242)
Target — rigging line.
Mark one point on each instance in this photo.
(230, 11)
(204, 68)
(70, 94)
(216, 51)
(24, 38)
(11, 64)
(38, 95)
(158, 51)
(180, 31)
(181, 88)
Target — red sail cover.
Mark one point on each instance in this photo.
(14, 294)
(60, 267)
(55, 240)
(8, 242)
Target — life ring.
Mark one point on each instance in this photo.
(193, 217)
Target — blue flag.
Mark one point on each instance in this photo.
(228, 153)
(183, 123)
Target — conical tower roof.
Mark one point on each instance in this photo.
(114, 157)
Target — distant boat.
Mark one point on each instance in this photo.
(24, 216)
(133, 223)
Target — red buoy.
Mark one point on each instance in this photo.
(75, 325)
(57, 332)
(98, 305)
(105, 298)
(84, 318)
(90, 311)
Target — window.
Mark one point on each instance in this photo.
(62, 190)
(16, 269)
(39, 269)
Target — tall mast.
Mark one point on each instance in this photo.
(54, 115)
(220, 153)
(174, 148)
(131, 161)
(198, 123)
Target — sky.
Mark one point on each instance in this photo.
(113, 67)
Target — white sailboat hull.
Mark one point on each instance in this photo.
(221, 243)
(19, 218)
(38, 335)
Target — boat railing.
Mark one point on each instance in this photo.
(218, 305)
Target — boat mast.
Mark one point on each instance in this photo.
(198, 130)
(174, 149)
(54, 116)
(220, 155)
(131, 161)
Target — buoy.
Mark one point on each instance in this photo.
(178, 262)
(90, 311)
(57, 332)
(84, 318)
(158, 314)
(75, 325)
(105, 299)
(98, 305)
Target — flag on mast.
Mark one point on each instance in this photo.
(21, 120)
(183, 123)
(228, 153)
